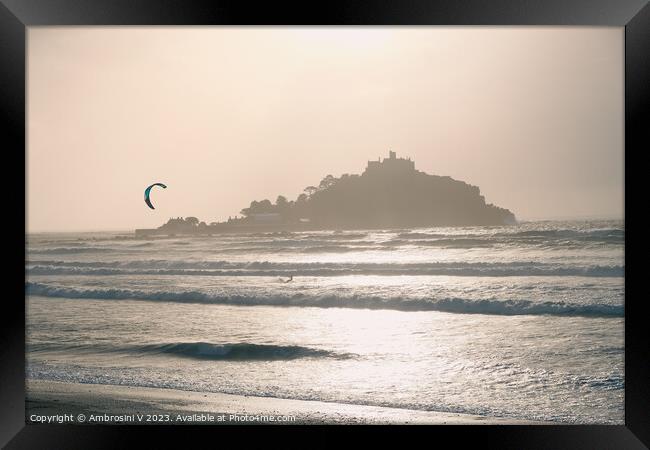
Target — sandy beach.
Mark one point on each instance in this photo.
(140, 405)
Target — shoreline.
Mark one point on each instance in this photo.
(113, 404)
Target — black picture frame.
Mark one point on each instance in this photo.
(17, 15)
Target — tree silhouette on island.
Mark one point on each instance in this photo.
(390, 193)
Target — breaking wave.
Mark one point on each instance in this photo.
(205, 350)
(451, 305)
(266, 268)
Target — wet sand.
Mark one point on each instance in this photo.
(140, 405)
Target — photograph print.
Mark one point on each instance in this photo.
(325, 225)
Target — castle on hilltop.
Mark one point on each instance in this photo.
(392, 164)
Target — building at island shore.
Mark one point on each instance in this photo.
(266, 218)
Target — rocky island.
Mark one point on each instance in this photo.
(390, 193)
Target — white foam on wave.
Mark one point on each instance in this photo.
(451, 305)
(265, 268)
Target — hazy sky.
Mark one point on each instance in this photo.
(225, 115)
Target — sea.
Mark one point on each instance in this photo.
(520, 322)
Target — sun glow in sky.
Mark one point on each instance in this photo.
(226, 115)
